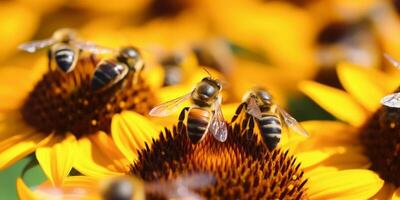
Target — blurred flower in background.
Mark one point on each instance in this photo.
(372, 129)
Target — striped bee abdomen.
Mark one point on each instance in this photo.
(271, 129)
(65, 58)
(197, 123)
(106, 74)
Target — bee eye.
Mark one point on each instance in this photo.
(205, 79)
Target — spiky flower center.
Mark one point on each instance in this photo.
(381, 139)
(63, 103)
(243, 167)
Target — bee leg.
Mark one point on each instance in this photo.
(182, 118)
(237, 112)
(250, 128)
(49, 53)
(92, 59)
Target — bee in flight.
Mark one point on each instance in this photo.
(392, 100)
(65, 48)
(204, 116)
(108, 73)
(259, 104)
(130, 188)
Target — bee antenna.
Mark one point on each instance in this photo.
(209, 74)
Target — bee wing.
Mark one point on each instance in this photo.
(182, 187)
(91, 47)
(391, 100)
(291, 122)
(35, 45)
(394, 62)
(217, 125)
(253, 109)
(172, 191)
(196, 180)
(169, 107)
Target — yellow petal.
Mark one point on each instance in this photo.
(346, 184)
(57, 158)
(131, 131)
(310, 158)
(386, 192)
(336, 102)
(24, 193)
(360, 85)
(18, 146)
(99, 157)
(327, 134)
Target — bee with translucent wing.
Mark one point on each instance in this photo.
(204, 116)
(259, 104)
(392, 100)
(128, 60)
(65, 48)
(127, 188)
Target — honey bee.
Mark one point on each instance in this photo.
(65, 48)
(392, 100)
(205, 115)
(173, 71)
(130, 188)
(269, 116)
(111, 71)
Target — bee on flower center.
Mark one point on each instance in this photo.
(65, 48)
(204, 116)
(270, 118)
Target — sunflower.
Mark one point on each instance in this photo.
(59, 118)
(242, 167)
(372, 129)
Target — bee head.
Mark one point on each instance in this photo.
(131, 56)
(261, 95)
(64, 35)
(207, 89)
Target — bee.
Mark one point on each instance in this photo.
(65, 48)
(131, 188)
(269, 117)
(392, 100)
(205, 115)
(173, 71)
(111, 71)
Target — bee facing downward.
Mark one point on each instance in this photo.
(204, 116)
(269, 116)
(64, 49)
(131, 188)
(111, 71)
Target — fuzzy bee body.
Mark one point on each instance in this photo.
(109, 72)
(65, 57)
(270, 118)
(198, 120)
(204, 116)
(65, 48)
(270, 127)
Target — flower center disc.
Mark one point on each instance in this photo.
(63, 103)
(381, 139)
(241, 166)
